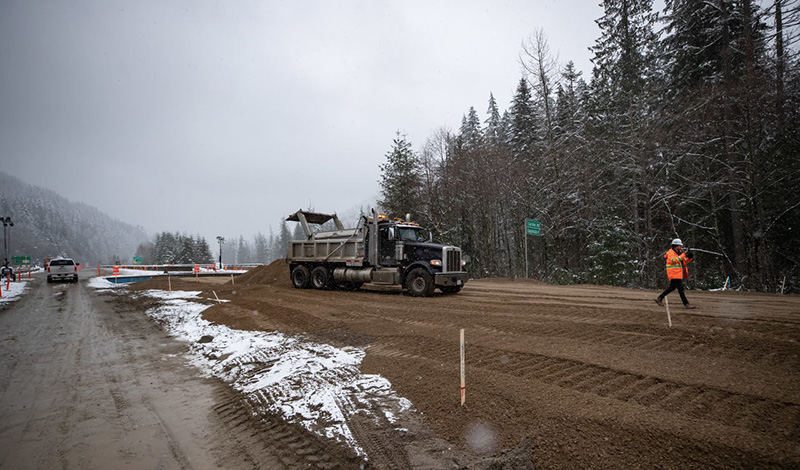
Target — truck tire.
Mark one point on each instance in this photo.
(420, 283)
(321, 278)
(451, 289)
(301, 277)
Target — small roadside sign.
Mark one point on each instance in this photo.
(533, 227)
(26, 260)
(137, 260)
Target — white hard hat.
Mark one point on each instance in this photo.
(677, 241)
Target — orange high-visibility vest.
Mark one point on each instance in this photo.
(676, 265)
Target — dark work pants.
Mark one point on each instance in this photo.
(675, 284)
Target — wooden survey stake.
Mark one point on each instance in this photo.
(669, 318)
(463, 380)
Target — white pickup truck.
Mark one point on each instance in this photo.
(62, 268)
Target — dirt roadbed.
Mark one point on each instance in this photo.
(594, 376)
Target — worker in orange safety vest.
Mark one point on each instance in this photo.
(677, 271)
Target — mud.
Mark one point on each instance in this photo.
(571, 376)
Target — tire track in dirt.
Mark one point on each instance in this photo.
(262, 433)
(728, 343)
(764, 415)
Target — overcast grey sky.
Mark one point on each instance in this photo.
(221, 117)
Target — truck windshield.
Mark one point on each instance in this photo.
(412, 234)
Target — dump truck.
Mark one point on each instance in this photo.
(379, 250)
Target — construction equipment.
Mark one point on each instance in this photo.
(378, 250)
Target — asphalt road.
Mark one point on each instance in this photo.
(88, 382)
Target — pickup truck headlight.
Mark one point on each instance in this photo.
(436, 262)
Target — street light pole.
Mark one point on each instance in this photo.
(221, 241)
(6, 224)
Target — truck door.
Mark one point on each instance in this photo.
(387, 247)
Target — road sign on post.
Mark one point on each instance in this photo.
(137, 260)
(532, 227)
(21, 260)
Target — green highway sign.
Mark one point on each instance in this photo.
(533, 227)
(137, 260)
(21, 259)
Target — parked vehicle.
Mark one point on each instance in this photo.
(62, 269)
(379, 251)
(7, 272)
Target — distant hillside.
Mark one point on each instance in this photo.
(47, 225)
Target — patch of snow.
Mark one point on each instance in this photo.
(98, 282)
(12, 290)
(313, 384)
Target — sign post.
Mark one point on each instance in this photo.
(532, 227)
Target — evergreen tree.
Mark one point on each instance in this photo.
(282, 241)
(400, 179)
(470, 136)
(202, 252)
(243, 252)
(625, 121)
(261, 249)
(522, 122)
(493, 132)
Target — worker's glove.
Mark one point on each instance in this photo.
(690, 255)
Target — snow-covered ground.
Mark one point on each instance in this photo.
(316, 385)
(13, 290)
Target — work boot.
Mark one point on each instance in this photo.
(659, 301)
(689, 306)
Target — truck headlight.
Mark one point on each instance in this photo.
(463, 263)
(436, 262)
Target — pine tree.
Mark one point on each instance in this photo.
(400, 179)
(261, 249)
(624, 118)
(522, 122)
(493, 132)
(243, 251)
(470, 135)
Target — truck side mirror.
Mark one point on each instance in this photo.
(430, 236)
(391, 236)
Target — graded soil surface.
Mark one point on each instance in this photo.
(593, 376)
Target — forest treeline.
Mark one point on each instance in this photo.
(181, 248)
(47, 225)
(688, 127)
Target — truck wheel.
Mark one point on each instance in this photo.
(451, 289)
(420, 283)
(301, 277)
(320, 278)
